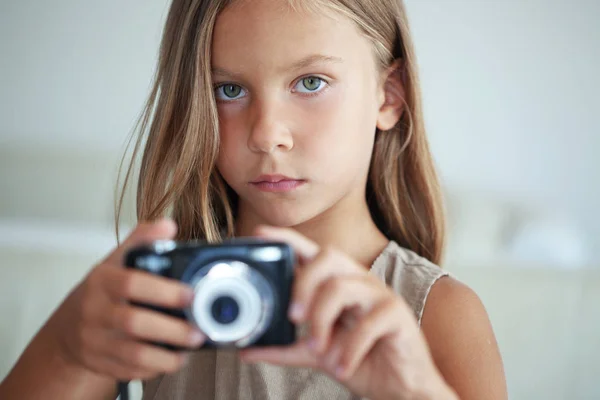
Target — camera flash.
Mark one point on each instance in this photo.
(266, 254)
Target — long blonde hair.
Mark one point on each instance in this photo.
(178, 132)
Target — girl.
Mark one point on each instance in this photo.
(298, 121)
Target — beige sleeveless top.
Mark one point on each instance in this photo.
(219, 375)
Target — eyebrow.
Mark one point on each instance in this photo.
(315, 59)
(303, 63)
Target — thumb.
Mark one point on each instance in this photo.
(305, 249)
(145, 232)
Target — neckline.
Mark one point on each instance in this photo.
(391, 244)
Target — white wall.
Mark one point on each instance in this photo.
(511, 95)
(75, 73)
(511, 88)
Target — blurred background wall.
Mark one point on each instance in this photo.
(512, 106)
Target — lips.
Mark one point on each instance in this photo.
(276, 183)
(273, 179)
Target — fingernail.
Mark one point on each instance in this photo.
(331, 359)
(183, 359)
(296, 312)
(260, 229)
(196, 337)
(246, 357)
(339, 372)
(188, 296)
(312, 344)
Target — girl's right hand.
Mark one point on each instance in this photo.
(97, 328)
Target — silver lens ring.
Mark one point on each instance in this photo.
(241, 284)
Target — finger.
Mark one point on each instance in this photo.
(303, 247)
(143, 356)
(145, 232)
(153, 326)
(297, 355)
(328, 362)
(110, 354)
(145, 288)
(328, 264)
(354, 345)
(108, 366)
(333, 298)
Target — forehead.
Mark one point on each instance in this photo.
(275, 31)
(309, 6)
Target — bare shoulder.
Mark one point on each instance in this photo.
(462, 342)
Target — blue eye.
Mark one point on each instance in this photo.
(229, 91)
(310, 84)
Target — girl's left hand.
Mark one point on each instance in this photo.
(361, 332)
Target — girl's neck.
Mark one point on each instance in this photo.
(346, 227)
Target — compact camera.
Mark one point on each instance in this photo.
(241, 288)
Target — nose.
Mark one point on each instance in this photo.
(269, 131)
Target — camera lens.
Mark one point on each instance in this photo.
(225, 310)
(233, 303)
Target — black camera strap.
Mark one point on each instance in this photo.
(123, 390)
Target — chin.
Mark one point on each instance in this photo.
(283, 220)
(286, 217)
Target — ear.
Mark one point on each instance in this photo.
(392, 96)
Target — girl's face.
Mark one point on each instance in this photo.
(299, 99)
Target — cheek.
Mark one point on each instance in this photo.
(230, 122)
(326, 121)
(231, 130)
(342, 127)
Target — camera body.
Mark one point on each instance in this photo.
(242, 288)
